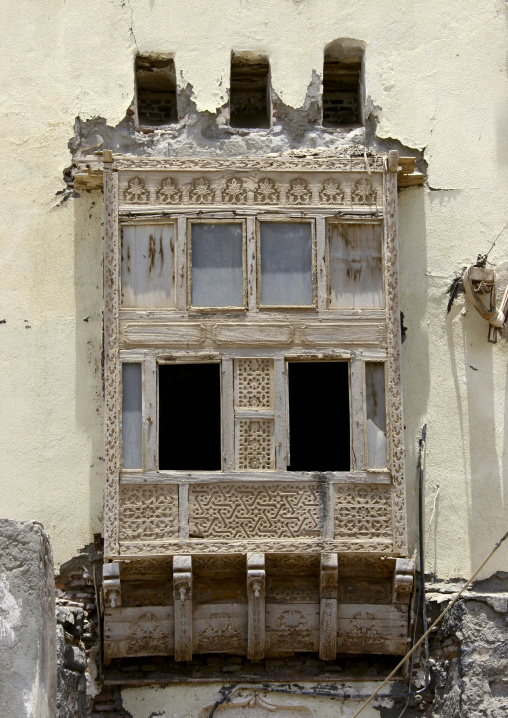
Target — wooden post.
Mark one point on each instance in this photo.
(256, 577)
(329, 573)
(182, 595)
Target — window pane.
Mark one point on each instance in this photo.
(189, 417)
(286, 264)
(376, 414)
(148, 266)
(217, 271)
(319, 436)
(356, 266)
(132, 439)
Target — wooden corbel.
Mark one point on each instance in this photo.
(182, 601)
(256, 578)
(111, 588)
(329, 574)
(403, 578)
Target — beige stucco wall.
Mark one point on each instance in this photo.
(436, 74)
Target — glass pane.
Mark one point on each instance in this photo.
(286, 264)
(356, 266)
(148, 266)
(217, 271)
(132, 439)
(376, 415)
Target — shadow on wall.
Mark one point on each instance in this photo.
(415, 349)
(88, 281)
(473, 364)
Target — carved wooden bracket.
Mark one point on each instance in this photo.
(403, 577)
(111, 588)
(256, 597)
(182, 596)
(329, 572)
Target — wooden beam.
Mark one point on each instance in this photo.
(111, 589)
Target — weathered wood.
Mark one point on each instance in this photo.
(281, 414)
(220, 628)
(248, 334)
(181, 264)
(228, 415)
(333, 334)
(148, 265)
(322, 274)
(150, 417)
(358, 445)
(140, 631)
(111, 589)
(365, 628)
(291, 628)
(403, 579)
(182, 597)
(256, 605)
(164, 334)
(328, 607)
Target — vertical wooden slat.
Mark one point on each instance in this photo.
(228, 431)
(251, 265)
(150, 413)
(181, 264)
(358, 460)
(280, 430)
(182, 600)
(328, 607)
(322, 282)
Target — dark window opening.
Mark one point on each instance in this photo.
(156, 91)
(189, 417)
(319, 437)
(342, 77)
(249, 99)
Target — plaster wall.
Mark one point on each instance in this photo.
(436, 87)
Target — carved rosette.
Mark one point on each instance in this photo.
(266, 192)
(147, 636)
(136, 192)
(201, 191)
(364, 635)
(292, 632)
(234, 192)
(168, 192)
(299, 192)
(331, 192)
(363, 192)
(219, 633)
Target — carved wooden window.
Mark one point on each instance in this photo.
(226, 280)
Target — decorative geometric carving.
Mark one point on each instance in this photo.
(364, 635)
(136, 192)
(363, 513)
(331, 192)
(168, 192)
(254, 383)
(363, 192)
(111, 589)
(182, 597)
(234, 192)
(293, 564)
(201, 192)
(147, 568)
(255, 444)
(256, 577)
(261, 511)
(219, 634)
(111, 373)
(299, 192)
(266, 192)
(304, 590)
(148, 513)
(292, 632)
(147, 636)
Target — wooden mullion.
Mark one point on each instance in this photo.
(181, 265)
(358, 447)
(150, 418)
(228, 423)
(280, 428)
(322, 282)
